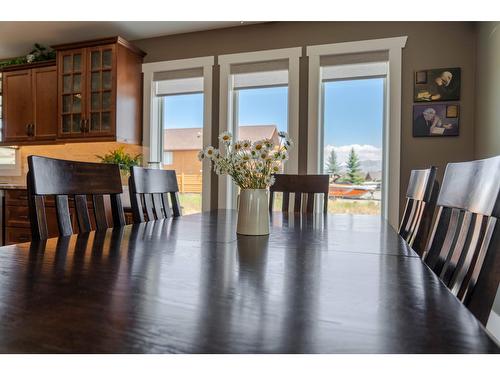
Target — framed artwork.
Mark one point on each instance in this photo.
(436, 85)
(435, 120)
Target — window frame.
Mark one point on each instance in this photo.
(392, 124)
(152, 138)
(226, 195)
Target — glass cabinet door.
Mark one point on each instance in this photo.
(102, 90)
(72, 89)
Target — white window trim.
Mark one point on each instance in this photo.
(225, 197)
(152, 113)
(391, 138)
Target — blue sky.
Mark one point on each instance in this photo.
(353, 110)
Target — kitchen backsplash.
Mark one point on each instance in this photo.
(72, 151)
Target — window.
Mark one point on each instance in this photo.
(352, 144)
(258, 98)
(349, 59)
(168, 157)
(178, 124)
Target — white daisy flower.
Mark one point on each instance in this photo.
(246, 144)
(258, 146)
(209, 152)
(225, 137)
(275, 168)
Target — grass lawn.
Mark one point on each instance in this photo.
(191, 203)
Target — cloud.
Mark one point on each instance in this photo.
(369, 155)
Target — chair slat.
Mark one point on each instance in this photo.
(63, 217)
(176, 203)
(166, 205)
(285, 201)
(297, 202)
(82, 213)
(158, 206)
(148, 205)
(101, 220)
(117, 210)
(310, 202)
(271, 200)
(457, 249)
(421, 197)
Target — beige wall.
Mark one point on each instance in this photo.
(430, 45)
(487, 119)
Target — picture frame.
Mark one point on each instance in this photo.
(435, 85)
(436, 120)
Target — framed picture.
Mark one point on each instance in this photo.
(435, 120)
(436, 85)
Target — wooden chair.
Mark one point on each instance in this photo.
(149, 190)
(300, 184)
(421, 197)
(63, 178)
(464, 247)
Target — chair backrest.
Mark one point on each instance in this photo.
(421, 197)
(149, 191)
(300, 184)
(63, 178)
(464, 246)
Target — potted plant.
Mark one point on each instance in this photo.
(124, 161)
(251, 166)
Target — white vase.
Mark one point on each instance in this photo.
(253, 212)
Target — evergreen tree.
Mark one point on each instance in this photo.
(353, 169)
(332, 166)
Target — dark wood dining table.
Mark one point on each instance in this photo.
(316, 284)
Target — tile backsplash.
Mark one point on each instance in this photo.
(71, 151)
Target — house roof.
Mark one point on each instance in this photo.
(191, 138)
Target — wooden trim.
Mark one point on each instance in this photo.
(38, 64)
(98, 42)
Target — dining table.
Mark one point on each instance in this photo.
(318, 283)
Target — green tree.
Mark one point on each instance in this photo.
(353, 174)
(332, 166)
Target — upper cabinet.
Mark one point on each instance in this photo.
(100, 90)
(93, 92)
(29, 103)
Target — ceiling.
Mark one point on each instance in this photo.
(17, 38)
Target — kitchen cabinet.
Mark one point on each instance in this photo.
(100, 91)
(29, 103)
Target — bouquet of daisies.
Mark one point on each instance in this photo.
(250, 164)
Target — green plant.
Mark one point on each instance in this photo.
(123, 159)
(353, 174)
(38, 53)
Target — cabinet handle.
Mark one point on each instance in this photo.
(82, 125)
(87, 125)
(28, 129)
(32, 130)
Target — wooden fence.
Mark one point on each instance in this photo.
(189, 183)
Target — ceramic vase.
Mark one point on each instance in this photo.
(253, 212)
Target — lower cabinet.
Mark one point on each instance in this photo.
(16, 227)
